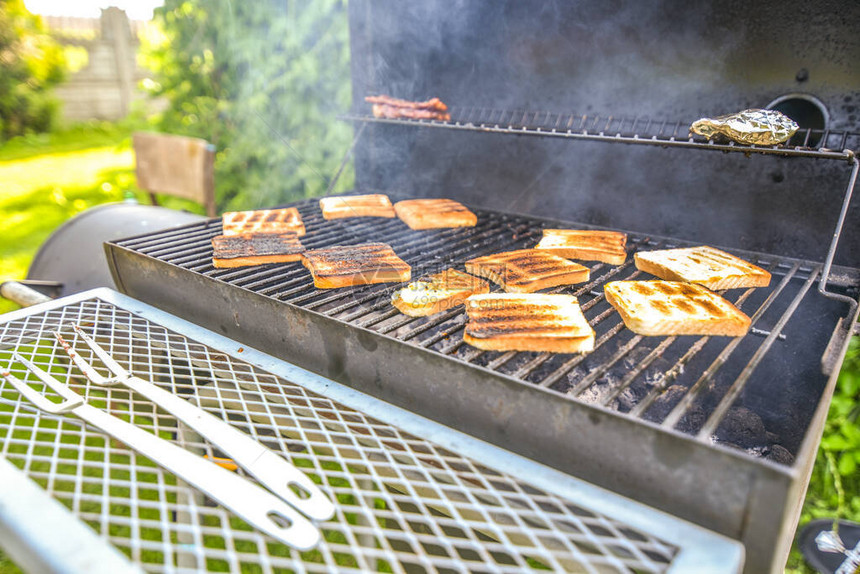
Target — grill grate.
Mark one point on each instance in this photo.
(825, 144)
(404, 503)
(686, 383)
(690, 384)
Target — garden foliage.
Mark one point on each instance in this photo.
(836, 479)
(263, 81)
(31, 62)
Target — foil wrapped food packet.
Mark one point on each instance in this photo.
(752, 127)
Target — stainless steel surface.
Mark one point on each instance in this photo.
(249, 502)
(411, 494)
(41, 535)
(272, 471)
(603, 417)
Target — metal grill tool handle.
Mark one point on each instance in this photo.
(256, 506)
(273, 471)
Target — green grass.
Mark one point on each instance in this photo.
(7, 566)
(79, 137)
(48, 179)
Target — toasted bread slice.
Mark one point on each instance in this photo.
(255, 249)
(373, 205)
(703, 265)
(527, 270)
(528, 322)
(585, 244)
(349, 265)
(262, 221)
(674, 308)
(438, 292)
(434, 213)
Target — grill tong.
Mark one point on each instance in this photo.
(273, 471)
(257, 506)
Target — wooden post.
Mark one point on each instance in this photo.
(116, 28)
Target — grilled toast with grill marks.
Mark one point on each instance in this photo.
(674, 308)
(350, 265)
(262, 221)
(437, 292)
(255, 249)
(585, 244)
(527, 270)
(527, 322)
(372, 205)
(434, 213)
(703, 265)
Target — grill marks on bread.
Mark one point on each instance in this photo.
(434, 213)
(527, 322)
(371, 205)
(437, 292)
(527, 270)
(702, 265)
(255, 249)
(519, 320)
(262, 221)
(349, 265)
(674, 308)
(585, 244)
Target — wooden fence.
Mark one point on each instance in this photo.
(108, 84)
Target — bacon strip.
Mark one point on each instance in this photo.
(431, 104)
(393, 112)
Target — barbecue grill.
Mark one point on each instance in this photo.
(722, 432)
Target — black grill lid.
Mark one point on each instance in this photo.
(661, 65)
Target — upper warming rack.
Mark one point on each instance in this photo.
(823, 144)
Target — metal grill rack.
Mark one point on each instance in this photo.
(822, 144)
(411, 496)
(706, 376)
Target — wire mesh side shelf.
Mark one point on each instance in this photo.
(404, 503)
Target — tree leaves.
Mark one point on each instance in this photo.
(835, 478)
(30, 64)
(263, 81)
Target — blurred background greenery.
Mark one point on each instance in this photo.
(270, 109)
